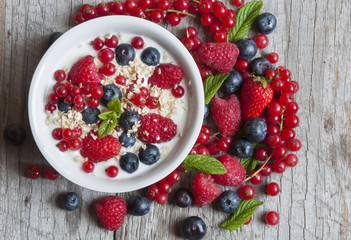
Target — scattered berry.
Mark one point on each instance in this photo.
(182, 198)
(235, 174)
(272, 218)
(138, 206)
(228, 201)
(70, 201)
(51, 174)
(204, 189)
(194, 228)
(14, 134)
(111, 211)
(246, 192)
(33, 172)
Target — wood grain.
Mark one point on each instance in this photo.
(312, 40)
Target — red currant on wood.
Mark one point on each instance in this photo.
(246, 192)
(273, 57)
(238, 3)
(291, 160)
(273, 189)
(272, 218)
(51, 174)
(33, 172)
(261, 41)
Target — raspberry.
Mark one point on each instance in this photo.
(220, 56)
(84, 71)
(111, 211)
(235, 174)
(156, 129)
(204, 189)
(227, 114)
(100, 149)
(166, 75)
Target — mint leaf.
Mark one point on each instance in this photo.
(204, 164)
(244, 19)
(107, 125)
(251, 162)
(115, 105)
(106, 115)
(241, 215)
(212, 85)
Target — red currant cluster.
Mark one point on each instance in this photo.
(159, 191)
(34, 172)
(69, 138)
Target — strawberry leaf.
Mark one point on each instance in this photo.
(212, 85)
(204, 164)
(244, 19)
(108, 125)
(241, 215)
(115, 105)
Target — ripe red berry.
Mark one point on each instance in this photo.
(246, 192)
(102, 9)
(111, 171)
(60, 75)
(121, 80)
(261, 41)
(202, 138)
(273, 189)
(139, 100)
(262, 153)
(223, 144)
(173, 177)
(257, 179)
(291, 121)
(248, 221)
(238, 3)
(152, 102)
(205, 6)
(206, 19)
(74, 144)
(145, 3)
(203, 150)
(51, 174)
(272, 129)
(291, 108)
(242, 65)
(206, 129)
(57, 133)
(173, 19)
(192, 151)
(279, 152)
(78, 18)
(97, 92)
(130, 5)
(108, 69)
(273, 140)
(220, 36)
(275, 108)
(266, 170)
(161, 198)
(111, 42)
(98, 44)
(89, 12)
(178, 91)
(228, 21)
(63, 146)
(88, 166)
(156, 16)
(67, 133)
(152, 192)
(137, 43)
(291, 160)
(279, 166)
(288, 134)
(194, 8)
(106, 55)
(61, 91)
(278, 84)
(272, 218)
(294, 145)
(33, 172)
(78, 100)
(273, 57)
(190, 32)
(219, 10)
(181, 5)
(164, 187)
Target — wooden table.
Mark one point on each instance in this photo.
(312, 39)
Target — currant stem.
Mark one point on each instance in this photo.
(196, 1)
(172, 10)
(259, 170)
(214, 135)
(281, 122)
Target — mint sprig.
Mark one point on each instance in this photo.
(204, 164)
(110, 117)
(212, 85)
(241, 215)
(244, 19)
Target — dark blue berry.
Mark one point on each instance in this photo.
(233, 82)
(71, 201)
(63, 107)
(228, 201)
(110, 92)
(124, 54)
(150, 56)
(194, 228)
(127, 139)
(259, 66)
(127, 120)
(129, 162)
(138, 206)
(247, 48)
(207, 111)
(242, 148)
(14, 134)
(255, 129)
(53, 37)
(90, 115)
(182, 198)
(266, 23)
(149, 155)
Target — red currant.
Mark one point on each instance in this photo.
(139, 100)
(272, 218)
(202, 138)
(33, 172)
(275, 108)
(190, 32)
(271, 119)
(181, 5)
(178, 91)
(173, 19)
(152, 102)
(63, 146)
(213, 148)
(152, 192)
(205, 6)
(242, 65)
(257, 179)
(164, 187)
(238, 3)
(54, 98)
(273, 57)
(161, 198)
(74, 144)
(279, 166)
(291, 121)
(57, 133)
(88, 166)
(286, 98)
(294, 145)
(156, 16)
(137, 42)
(98, 44)
(288, 134)
(102, 9)
(145, 4)
(97, 92)
(278, 84)
(270, 74)
(266, 170)
(106, 55)
(192, 151)
(292, 108)
(60, 75)
(79, 99)
(223, 144)
(67, 133)
(291, 160)
(117, 8)
(51, 174)
(248, 221)
(61, 91)
(130, 5)
(89, 12)
(108, 69)
(220, 36)
(228, 21)
(219, 10)
(207, 19)
(262, 153)
(279, 153)
(111, 171)
(246, 192)
(189, 43)
(273, 140)
(111, 42)
(121, 80)
(296, 86)
(203, 150)
(78, 18)
(74, 91)
(173, 177)
(272, 189)
(261, 41)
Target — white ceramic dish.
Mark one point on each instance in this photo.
(40, 85)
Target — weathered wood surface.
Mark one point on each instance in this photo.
(312, 39)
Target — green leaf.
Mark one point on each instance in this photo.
(108, 125)
(204, 164)
(212, 85)
(106, 115)
(244, 19)
(115, 105)
(241, 215)
(251, 162)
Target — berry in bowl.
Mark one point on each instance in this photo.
(116, 104)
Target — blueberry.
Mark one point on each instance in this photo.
(127, 139)
(124, 54)
(207, 111)
(242, 148)
(110, 92)
(71, 201)
(259, 66)
(63, 107)
(150, 56)
(247, 48)
(138, 206)
(194, 228)
(266, 23)
(255, 129)
(90, 115)
(233, 82)
(129, 162)
(182, 198)
(127, 120)
(149, 155)
(228, 201)
(53, 37)
(14, 134)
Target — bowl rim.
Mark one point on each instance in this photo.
(166, 36)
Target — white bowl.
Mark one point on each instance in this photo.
(43, 80)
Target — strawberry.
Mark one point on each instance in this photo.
(220, 56)
(85, 72)
(227, 114)
(256, 94)
(111, 211)
(166, 75)
(99, 149)
(156, 129)
(204, 189)
(235, 174)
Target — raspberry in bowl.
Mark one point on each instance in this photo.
(116, 104)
